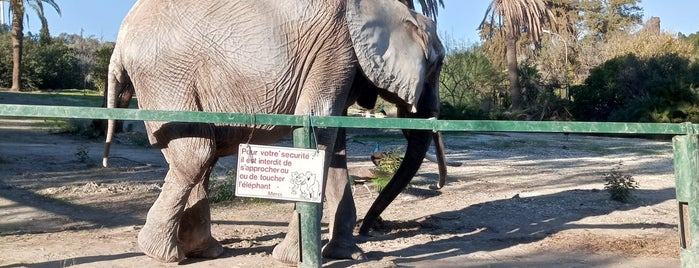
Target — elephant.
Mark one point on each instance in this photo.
(268, 57)
(304, 184)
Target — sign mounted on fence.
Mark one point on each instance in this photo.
(282, 173)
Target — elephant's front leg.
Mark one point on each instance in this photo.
(189, 159)
(341, 208)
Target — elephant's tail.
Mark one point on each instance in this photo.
(117, 83)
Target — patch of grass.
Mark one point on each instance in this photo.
(223, 190)
(619, 185)
(390, 161)
(71, 97)
(380, 182)
(81, 127)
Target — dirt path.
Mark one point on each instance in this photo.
(519, 200)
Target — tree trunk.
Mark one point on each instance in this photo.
(512, 73)
(17, 38)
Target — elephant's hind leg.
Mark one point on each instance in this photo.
(195, 226)
(190, 159)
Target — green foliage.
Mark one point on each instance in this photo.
(619, 185)
(49, 66)
(62, 63)
(81, 127)
(390, 161)
(600, 18)
(83, 154)
(631, 89)
(223, 190)
(470, 85)
(380, 182)
(540, 100)
(101, 67)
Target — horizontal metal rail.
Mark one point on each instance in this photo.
(346, 122)
(684, 147)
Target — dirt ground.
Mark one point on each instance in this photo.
(518, 200)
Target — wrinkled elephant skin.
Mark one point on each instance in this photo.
(265, 57)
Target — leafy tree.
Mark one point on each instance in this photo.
(56, 64)
(50, 65)
(604, 17)
(17, 8)
(5, 60)
(470, 86)
(85, 49)
(511, 19)
(100, 69)
(591, 31)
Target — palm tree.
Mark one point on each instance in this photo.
(17, 8)
(514, 18)
(429, 7)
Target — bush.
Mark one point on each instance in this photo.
(619, 185)
(55, 64)
(659, 89)
(223, 190)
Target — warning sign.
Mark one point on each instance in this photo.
(280, 173)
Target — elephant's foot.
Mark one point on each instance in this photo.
(287, 252)
(343, 250)
(211, 249)
(159, 245)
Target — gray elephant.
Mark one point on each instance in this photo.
(268, 57)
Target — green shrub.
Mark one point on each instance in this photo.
(83, 154)
(390, 161)
(619, 185)
(81, 127)
(469, 84)
(659, 89)
(223, 190)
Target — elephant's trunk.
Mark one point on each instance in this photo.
(441, 159)
(418, 143)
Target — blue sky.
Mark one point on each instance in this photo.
(101, 18)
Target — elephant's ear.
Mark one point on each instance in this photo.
(392, 44)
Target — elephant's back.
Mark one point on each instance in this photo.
(245, 54)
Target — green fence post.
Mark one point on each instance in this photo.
(686, 158)
(309, 213)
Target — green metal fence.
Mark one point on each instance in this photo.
(685, 147)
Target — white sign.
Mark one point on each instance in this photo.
(283, 173)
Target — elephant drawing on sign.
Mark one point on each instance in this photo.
(268, 57)
(304, 185)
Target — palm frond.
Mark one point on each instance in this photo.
(430, 8)
(513, 16)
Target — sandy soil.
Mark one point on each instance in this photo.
(518, 200)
